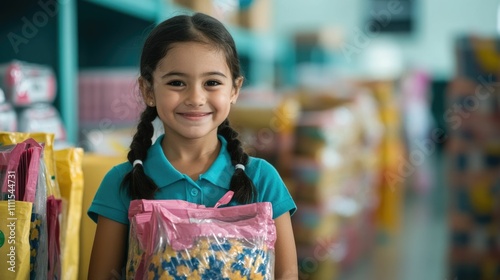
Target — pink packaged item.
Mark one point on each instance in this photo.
(10, 156)
(54, 209)
(175, 239)
(26, 83)
(20, 162)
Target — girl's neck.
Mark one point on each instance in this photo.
(189, 150)
(191, 157)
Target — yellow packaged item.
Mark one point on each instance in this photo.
(70, 180)
(14, 239)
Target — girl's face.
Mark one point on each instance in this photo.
(192, 90)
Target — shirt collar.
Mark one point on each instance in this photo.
(163, 173)
(221, 170)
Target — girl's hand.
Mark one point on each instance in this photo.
(109, 250)
(285, 251)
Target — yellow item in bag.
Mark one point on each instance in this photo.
(9, 138)
(14, 239)
(70, 180)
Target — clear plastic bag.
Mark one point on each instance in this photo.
(38, 232)
(173, 239)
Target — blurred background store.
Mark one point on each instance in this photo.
(382, 116)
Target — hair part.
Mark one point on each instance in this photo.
(203, 29)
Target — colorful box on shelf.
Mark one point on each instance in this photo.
(257, 16)
(477, 56)
(393, 154)
(473, 167)
(266, 125)
(382, 90)
(108, 98)
(317, 183)
(206, 6)
(319, 130)
(313, 223)
(26, 83)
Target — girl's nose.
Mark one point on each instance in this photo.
(195, 96)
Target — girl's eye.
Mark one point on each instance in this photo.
(175, 83)
(212, 83)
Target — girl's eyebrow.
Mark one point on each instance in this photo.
(174, 73)
(217, 73)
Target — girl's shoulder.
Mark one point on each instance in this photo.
(256, 162)
(259, 167)
(120, 170)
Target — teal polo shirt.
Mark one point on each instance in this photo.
(112, 202)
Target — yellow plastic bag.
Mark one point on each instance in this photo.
(70, 180)
(9, 138)
(14, 239)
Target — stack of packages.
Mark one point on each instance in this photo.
(109, 105)
(395, 169)
(473, 157)
(31, 89)
(23, 231)
(53, 244)
(266, 123)
(42, 213)
(335, 174)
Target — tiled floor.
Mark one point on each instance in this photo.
(420, 252)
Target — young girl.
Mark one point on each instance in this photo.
(190, 76)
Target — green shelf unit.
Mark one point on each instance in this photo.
(147, 10)
(68, 68)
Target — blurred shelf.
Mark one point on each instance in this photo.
(90, 30)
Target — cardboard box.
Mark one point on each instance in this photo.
(257, 17)
(201, 6)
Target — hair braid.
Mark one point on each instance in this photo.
(140, 185)
(241, 184)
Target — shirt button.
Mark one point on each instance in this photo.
(194, 192)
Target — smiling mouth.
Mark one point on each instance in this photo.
(194, 115)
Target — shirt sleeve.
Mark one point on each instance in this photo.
(110, 201)
(271, 188)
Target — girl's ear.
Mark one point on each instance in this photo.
(146, 92)
(238, 83)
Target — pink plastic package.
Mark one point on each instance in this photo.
(175, 239)
(20, 161)
(10, 156)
